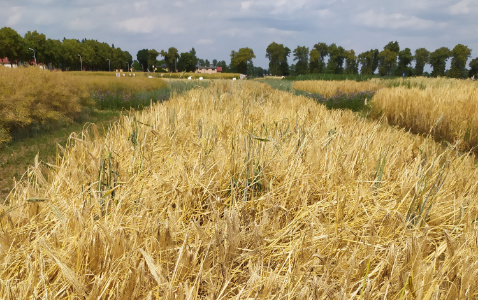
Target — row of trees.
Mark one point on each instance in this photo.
(68, 54)
(241, 61)
(173, 60)
(333, 59)
(72, 54)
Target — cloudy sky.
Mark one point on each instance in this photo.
(215, 27)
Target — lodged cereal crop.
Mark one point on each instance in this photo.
(446, 109)
(240, 191)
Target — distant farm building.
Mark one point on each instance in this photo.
(209, 70)
(7, 63)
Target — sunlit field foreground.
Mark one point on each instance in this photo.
(240, 191)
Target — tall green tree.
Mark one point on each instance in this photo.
(351, 65)
(120, 58)
(95, 55)
(52, 53)
(37, 42)
(223, 65)
(335, 64)
(438, 60)
(323, 50)
(375, 60)
(187, 61)
(170, 58)
(12, 45)
(242, 60)
(368, 61)
(387, 62)
(314, 61)
(473, 68)
(422, 56)
(387, 59)
(71, 48)
(405, 58)
(142, 57)
(460, 55)
(151, 58)
(284, 65)
(277, 55)
(301, 56)
(392, 46)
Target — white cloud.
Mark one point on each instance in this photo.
(383, 20)
(324, 13)
(215, 27)
(246, 5)
(12, 15)
(205, 42)
(80, 24)
(137, 25)
(461, 8)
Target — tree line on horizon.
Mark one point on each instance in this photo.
(391, 61)
(72, 54)
(65, 54)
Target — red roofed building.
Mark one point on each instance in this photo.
(209, 70)
(6, 62)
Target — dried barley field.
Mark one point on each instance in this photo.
(328, 88)
(239, 191)
(446, 109)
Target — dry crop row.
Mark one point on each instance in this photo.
(447, 109)
(332, 88)
(241, 191)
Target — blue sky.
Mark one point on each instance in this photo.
(215, 27)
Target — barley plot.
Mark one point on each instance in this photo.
(237, 190)
(443, 108)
